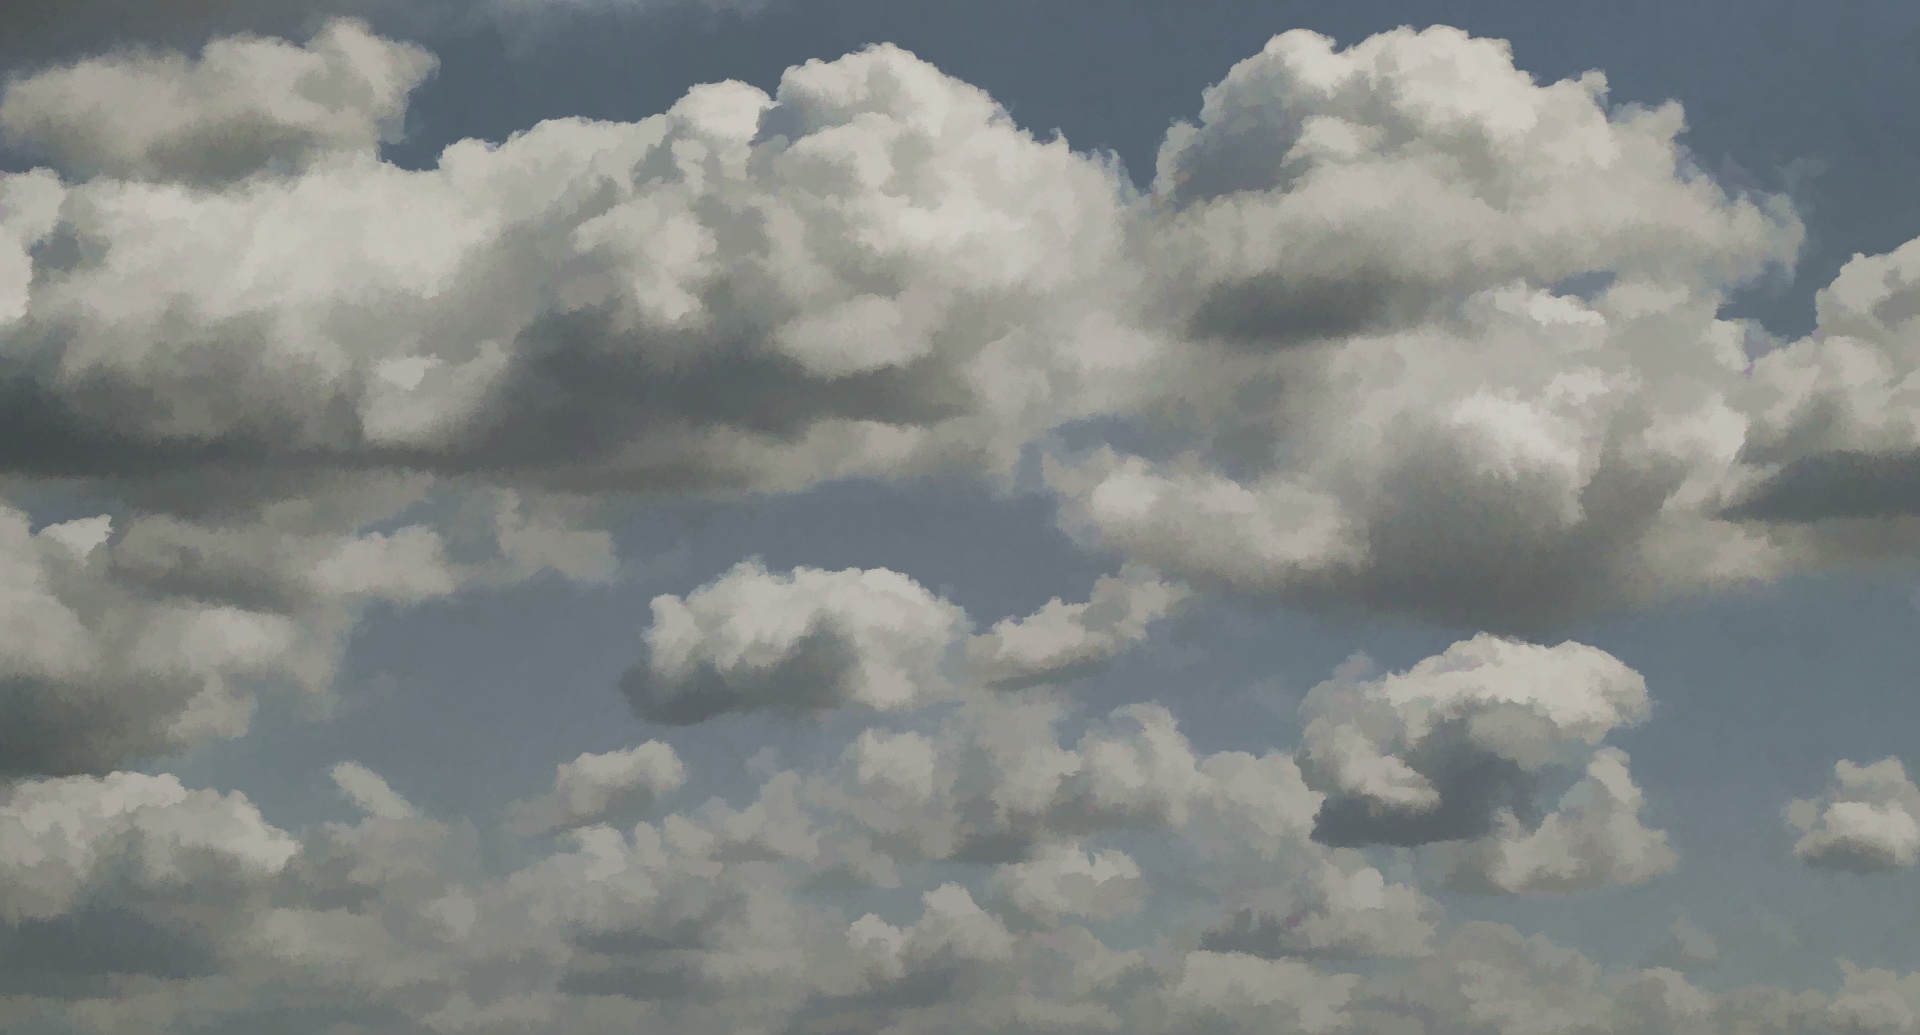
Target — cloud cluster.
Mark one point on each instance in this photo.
(717, 918)
(810, 640)
(1395, 327)
(873, 271)
(148, 633)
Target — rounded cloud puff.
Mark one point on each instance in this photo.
(808, 640)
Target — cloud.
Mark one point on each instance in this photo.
(1239, 993)
(1868, 821)
(1457, 749)
(808, 640)
(244, 106)
(1688, 947)
(308, 381)
(1062, 639)
(868, 272)
(594, 788)
(1594, 839)
(872, 272)
(1389, 403)
(1431, 754)
(152, 633)
(63, 842)
(369, 792)
(1064, 880)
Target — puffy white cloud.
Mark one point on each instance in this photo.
(312, 381)
(1387, 400)
(150, 633)
(244, 105)
(1333, 909)
(593, 788)
(64, 841)
(872, 271)
(1062, 639)
(1432, 753)
(810, 639)
(1868, 820)
(1457, 748)
(869, 271)
(1594, 839)
(1066, 880)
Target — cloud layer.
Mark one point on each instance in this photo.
(1394, 328)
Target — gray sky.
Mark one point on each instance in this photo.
(1423, 544)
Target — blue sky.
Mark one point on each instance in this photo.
(1365, 535)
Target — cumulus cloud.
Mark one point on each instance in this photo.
(1594, 839)
(1431, 754)
(243, 106)
(671, 923)
(63, 841)
(1065, 880)
(1868, 820)
(152, 633)
(311, 381)
(593, 788)
(1392, 403)
(1061, 639)
(753, 640)
(871, 270)
(1457, 748)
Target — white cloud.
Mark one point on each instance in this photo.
(310, 381)
(1458, 747)
(1061, 639)
(1594, 839)
(150, 632)
(244, 105)
(593, 788)
(810, 639)
(1868, 820)
(868, 272)
(1384, 400)
(1066, 880)
(369, 792)
(1428, 754)
(178, 858)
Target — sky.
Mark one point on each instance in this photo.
(865, 516)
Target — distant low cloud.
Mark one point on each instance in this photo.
(241, 107)
(595, 788)
(807, 640)
(1868, 820)
(1061, 639)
